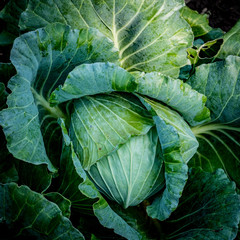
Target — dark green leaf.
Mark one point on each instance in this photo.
(231, 45)
(215, 33)
(11, 14)
(7, 70)
(35, 177)
(205, 53)
(70, 181)
(3, 96)
(24, 209)
(208, 209)
(137, 218)
(219, 140)
(63, 203)
(219, 148)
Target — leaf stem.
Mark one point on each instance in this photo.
(55, 112)
(198, 130)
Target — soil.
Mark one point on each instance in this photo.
(222, 13)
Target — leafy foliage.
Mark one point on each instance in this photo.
(136, 28)
(207, 201)
(219, 139)
(99, 138)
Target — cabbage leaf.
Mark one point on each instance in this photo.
(43, 59)
(219, 139)
(150, 36)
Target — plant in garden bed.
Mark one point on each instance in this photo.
(97, 121)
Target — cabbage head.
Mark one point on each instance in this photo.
(121, 131)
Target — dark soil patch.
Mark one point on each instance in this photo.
(222, 13)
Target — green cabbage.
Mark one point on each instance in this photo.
(100, 136)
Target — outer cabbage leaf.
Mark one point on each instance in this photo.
(69, 182)
(107, 77)
(91, 79)
(214, 34)
(133, 173)
(8, 172)
(63, 203)
(11, 14)
(43, 59)
(26, 210)
(219, 140)
(231, 45)
(188, 141)
(106, 216)
(176, 94)
(12, 170)
(198, 22)
(150, 35)
(208, 209)
(219, 81)
(101, 123)
(175, 166)
(35, 177)
(219, 147)
(137, 218)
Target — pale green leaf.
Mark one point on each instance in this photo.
(133, 173)
(90, 79)
(188, 141)
(43, 59)
(101, 123)
(175, 166)
(198, 22)
(150, 35)
(100, 206)
(176, 94)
